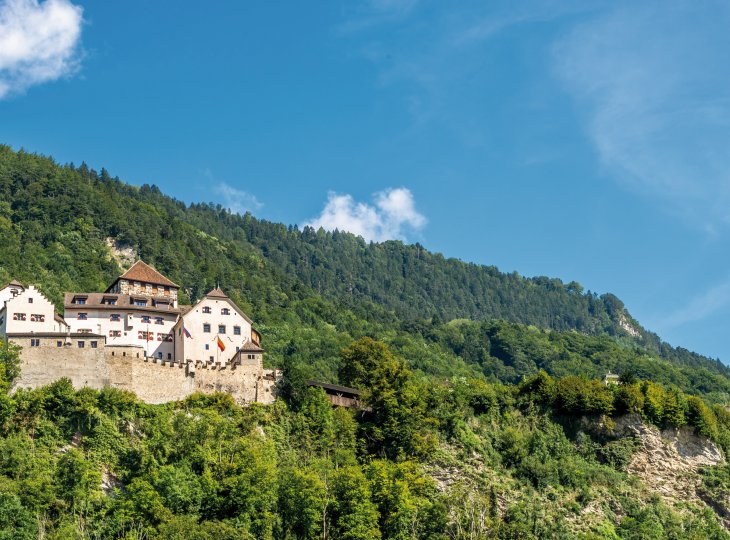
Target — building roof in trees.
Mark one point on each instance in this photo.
(143, 272)
(13, 283)
(250, 346)
(334, 388)
(217, 293)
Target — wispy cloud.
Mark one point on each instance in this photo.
(237, 200)
(371, 13)
(39, 42)
(653, 82)
(698, 308)
(392, 213)
(441, 56)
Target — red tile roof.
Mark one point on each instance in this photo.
(250, 346)
(141, 271)
(216, 293)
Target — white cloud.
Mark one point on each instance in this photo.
(393, 212)
(39, 42)
(236, 200)
(652, 81)
(699, 307)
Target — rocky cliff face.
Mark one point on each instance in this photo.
(669, 461)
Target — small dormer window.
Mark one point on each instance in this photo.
(80, 300)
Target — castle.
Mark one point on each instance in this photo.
(136, 337)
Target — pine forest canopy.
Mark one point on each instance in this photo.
(316, 291)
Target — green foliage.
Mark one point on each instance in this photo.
(395, 420)
(16, 522)
(9, 364)
(702, 418)
(447, 446)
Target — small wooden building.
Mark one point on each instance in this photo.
(340, 396)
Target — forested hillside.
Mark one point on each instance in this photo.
(484, 416)
(312, 292)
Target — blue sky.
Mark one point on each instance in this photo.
(582, 140)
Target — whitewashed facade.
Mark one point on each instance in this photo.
(215, 316)
(27, 311)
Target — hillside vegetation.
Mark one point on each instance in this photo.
(484, 412)
(425, 460)
(313, 292)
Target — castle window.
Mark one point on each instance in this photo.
(115, 333)
(211, 358)
(109, 301)
(59, 343)
(82, 316)
(169, 356)
(146, 319)
(18, 316)
(93, 344)
(206, 328)
(30, 300)
(236, 330)
(225, 311)
(159, 320)
(140, 302)
(221, 328)
(115, 317)
(80, 300)
(37, 317)
(207, 347)
(252, 357)
(159, 355)
(81, 344)
(35, 342)
(206, 309)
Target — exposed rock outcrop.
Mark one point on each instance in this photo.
(125, 256)
(669, 461)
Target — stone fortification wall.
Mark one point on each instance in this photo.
(245, 383)
(152, 380)
(47, 362)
